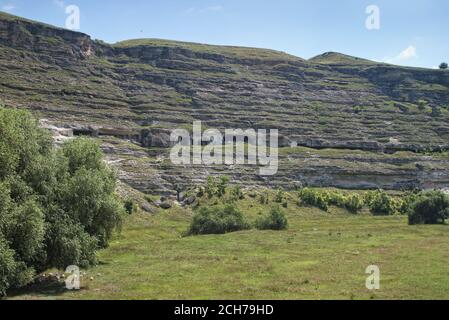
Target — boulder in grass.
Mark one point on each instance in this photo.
(166, 205)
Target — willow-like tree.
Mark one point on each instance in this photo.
(57, 207)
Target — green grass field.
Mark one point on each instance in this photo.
(321, 256)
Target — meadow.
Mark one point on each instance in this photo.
(322, 255)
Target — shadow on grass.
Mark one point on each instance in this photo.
(44, 288)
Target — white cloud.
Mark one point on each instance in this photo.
(8, 7)
(406, 54)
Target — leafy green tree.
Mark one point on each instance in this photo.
(21, 141)
(443, 66)
(8, 266)
(83, 153)
(68, 243)
(57, 207)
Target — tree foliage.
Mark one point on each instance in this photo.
(57, 207)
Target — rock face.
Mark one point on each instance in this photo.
(373, 117)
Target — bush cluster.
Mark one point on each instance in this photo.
(431, 207)
(381, 204)
(221, 219)
(378, 202)
(275, 220)
(322, 199)
(314, 198)
(217, 220)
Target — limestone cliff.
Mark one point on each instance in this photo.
(380, 119)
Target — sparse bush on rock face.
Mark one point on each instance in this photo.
(216, 186)
(275, 220)
(430, 207)
(210, 187)
(130, 206)
(57, 207)
(422, 104)
(222, 185)
(217, 220)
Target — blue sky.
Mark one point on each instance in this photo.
(413, 32)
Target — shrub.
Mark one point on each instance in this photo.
(403, 204)
(353, 203)
(222, 184)
(280, 196)
(264, 198)
(275, 220)
(211, 187)
(217, 220)
(130, 206)
(336, 199)
(216, 186)
(422, 104)
(237, 193)
(430, 207)
(314, 198)
(380, 203)
(200, 192)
